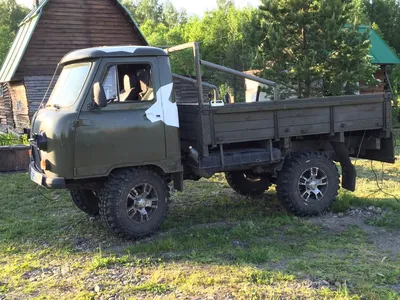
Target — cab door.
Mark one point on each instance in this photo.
(120, 134)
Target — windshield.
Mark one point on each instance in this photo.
(69, 85)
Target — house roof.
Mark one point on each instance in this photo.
(381, 52)
(19, 46)
(114, 51)
(24, 35)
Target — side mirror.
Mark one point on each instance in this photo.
(99, 95)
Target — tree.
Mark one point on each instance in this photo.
(386, 15)
(146, 10)
(228, 36)
(359, 13)
(310, 46)
(11, 15)
(171, 16)
(152, 10)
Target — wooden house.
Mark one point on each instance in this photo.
(383, 56)
(52, 29)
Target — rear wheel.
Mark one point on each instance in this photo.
(247, 183)
(308, 183)
(86, 200)
(134, 202)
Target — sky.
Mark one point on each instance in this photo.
(193, 7)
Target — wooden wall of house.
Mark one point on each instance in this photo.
(375, 88)
(67, 25)
(36, 87)
(6, 114)
(19, 104)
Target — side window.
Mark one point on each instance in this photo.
(110, 84)
(129, 83)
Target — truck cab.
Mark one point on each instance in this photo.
(112, 134)
(137, 123)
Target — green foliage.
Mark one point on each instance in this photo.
(227, 36)
(11, 15)
(396, 117)
(9, 140)
(309, 46)
(312, 47)
(154, 11)
(230, 37)
(386, 15)
(359, 13)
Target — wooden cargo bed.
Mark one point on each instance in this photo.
(202, 126)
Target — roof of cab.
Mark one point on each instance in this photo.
(115, 51)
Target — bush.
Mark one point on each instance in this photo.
(9, 140)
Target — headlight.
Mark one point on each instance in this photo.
(41, 141)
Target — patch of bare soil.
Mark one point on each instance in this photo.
(384, 240)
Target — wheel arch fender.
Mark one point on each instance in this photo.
(155, 167)
(349, 173)
(176, 177)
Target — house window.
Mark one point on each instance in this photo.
(1, 90)
(128, 83)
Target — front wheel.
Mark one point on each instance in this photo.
(134, 202)
(308, 183)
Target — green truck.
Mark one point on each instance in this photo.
(113, 135)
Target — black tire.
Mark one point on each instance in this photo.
(86, 201)
(303, 196)
(247, 183)
(120, 198)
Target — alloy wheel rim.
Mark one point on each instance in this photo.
(313, 184)
(142, 202)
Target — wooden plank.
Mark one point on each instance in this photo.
(303, 112)
(343, 101)
(192, 127)
(243, 117)
(187, 117)
(19, 105)
(188, 108)
(310, 120)
(301, 130)
(359, 125)
(244, 135)
(362, 115)
(207, 139)
(187, 135)
(358, 108)
(249, 125)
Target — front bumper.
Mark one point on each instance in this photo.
(41, 179)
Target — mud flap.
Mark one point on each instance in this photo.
(349, 174)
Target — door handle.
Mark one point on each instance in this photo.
(82, 122)
(145, 116)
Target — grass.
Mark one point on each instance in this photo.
(214, 244)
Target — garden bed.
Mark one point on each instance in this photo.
(14, 158)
